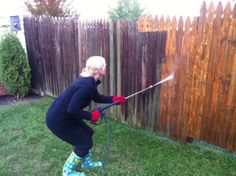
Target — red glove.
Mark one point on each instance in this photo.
(120, 99)
(95, 116)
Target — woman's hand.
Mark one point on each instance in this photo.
(95, 116)
(120, 99)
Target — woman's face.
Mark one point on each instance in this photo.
(103, 71)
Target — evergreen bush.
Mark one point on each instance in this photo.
(14, 66)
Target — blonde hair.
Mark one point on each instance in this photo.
(93, 65)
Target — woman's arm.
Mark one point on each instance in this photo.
(98, 98)
(75, 107)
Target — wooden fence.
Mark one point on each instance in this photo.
(199, 103)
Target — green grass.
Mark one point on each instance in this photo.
(28, 148)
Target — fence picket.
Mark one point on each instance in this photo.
(225, 78)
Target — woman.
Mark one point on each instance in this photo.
(66, 114)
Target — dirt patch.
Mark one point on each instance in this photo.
(10, 99)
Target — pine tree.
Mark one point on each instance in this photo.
(14, 67)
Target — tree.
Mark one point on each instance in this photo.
(126, 9)
(14, 67)
(55, 8)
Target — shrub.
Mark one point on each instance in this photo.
(14, 67)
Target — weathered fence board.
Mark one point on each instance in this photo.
(198, 103)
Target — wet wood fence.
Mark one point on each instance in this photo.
(201, 101)
(198, 103)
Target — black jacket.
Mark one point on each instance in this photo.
(68, 107)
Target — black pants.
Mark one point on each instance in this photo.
(78, 134)
(87, 143)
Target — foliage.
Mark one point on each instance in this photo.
(126, 9)
(14, 67)
(27, 147)
(54, 8)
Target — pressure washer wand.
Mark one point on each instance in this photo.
(151, 86)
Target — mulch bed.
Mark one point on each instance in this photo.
(10, 99)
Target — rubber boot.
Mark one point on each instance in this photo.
(71, 165)
(87, 163)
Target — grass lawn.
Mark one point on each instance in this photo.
(28, 148)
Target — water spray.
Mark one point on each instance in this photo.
(151, 86)
(170, 77)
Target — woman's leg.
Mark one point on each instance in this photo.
(84, 151)
(87, 163)
(81, 139)
(71, 165)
